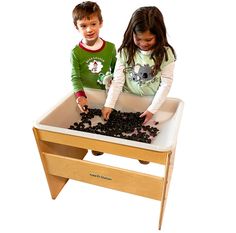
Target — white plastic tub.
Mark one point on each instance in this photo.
(66, 112)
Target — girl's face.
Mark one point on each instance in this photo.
(89, 28)
(144, 40)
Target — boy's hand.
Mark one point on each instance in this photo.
(148, 116)
(82, 103)
(106, 113)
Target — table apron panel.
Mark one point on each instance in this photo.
(106, 176)
(107, 147)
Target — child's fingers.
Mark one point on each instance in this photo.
(81, 108)
(85, 108)
(145, 121)
(106, 115)
(142, 115)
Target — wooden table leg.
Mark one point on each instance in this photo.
(168, 173)
(56, 183)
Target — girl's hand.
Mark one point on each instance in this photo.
(106, 113)
(82, 103)
(148, 116)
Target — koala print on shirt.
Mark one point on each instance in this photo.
(141, 74)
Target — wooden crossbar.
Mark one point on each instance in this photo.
(106, 176)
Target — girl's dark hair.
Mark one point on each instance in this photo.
(85, 9)
(147, 19)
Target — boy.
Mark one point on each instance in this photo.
(93, 57)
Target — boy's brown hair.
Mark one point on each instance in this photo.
(84, 10)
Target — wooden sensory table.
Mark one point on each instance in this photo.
(62, 151)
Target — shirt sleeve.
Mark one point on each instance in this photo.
(75, 73)
(113, 61)
(162, 92)
(116, 85)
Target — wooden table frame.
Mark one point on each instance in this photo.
(62, 158)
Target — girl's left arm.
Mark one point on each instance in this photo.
(161, 94)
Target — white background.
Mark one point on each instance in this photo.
(36, 40)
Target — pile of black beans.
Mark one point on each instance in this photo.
(126, 125)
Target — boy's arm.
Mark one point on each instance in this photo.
(162, 92)
(75, 76)
(113, 61)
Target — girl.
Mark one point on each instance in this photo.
(145, 62)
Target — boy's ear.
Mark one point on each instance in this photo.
(101, 24)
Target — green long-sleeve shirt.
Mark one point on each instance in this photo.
(87, 65)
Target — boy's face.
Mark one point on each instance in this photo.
(89, 28)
